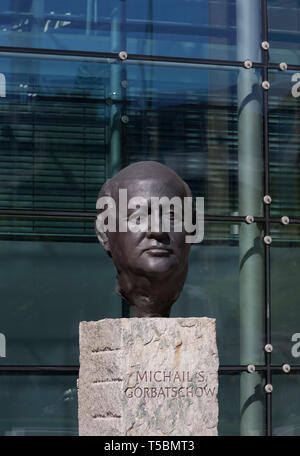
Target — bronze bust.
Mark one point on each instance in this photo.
(151, 265)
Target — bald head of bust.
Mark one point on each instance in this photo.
(152, 264)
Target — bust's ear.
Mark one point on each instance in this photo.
(103, 239)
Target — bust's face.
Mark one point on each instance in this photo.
(150, 253)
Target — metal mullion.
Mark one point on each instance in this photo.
(48, 237)
(189, 60)
(230, 218)
(24, 213)
(227, 369)
(268, 400)
(277, 369)
(112, 55)
(32, 214)
(275, 66)
(51, 370)
(74, 369)
(292, 221)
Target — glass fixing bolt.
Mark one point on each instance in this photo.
(283, 66)
(267, 199)
(268, 348)
(286, 368)
(265, 85)
(247, 64)
(125, 119)
(265, 45)
(249, 219)
(285, 220)
(268, 388)
(268, 241)
(123, 55)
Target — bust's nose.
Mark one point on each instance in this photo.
(160, 235)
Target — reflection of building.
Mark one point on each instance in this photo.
(74, 113)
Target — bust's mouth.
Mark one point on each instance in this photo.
(158, 251)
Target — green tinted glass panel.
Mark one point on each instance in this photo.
(180, 28)
(47, 228)
(225, 282)
(38, 405)
(241, 404)
(46, 289)
(285, 291)
(284, 141)
(47, 405)
(284, 31)
(229, 405)
(286, 404)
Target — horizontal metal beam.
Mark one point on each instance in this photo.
(74, 370)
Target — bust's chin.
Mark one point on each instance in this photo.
(156, 267)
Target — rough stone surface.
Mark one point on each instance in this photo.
(148, 376)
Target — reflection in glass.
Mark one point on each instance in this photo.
(189, 117)
(47, 405)
(46, 289)
(38, 405)
(229, 405)
(284, 142)
(285, 292)
(284, 31)
(233, 408)
(52, 134)
(178, 28)
(212, 289)
(67, 126)
(286, 404)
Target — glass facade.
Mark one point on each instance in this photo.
(73, 112)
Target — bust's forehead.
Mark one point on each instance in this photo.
(145, 170)
(149, 187)
(148, 179)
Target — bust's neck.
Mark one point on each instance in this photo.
(149, 297)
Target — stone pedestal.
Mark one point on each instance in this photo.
(148, 376)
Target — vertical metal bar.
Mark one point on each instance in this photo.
(250, 203)
(115, 90)
(267, 221)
